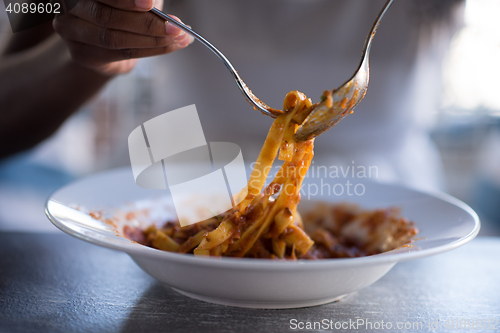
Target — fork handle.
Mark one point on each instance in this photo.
(261, 106)
(202, 40)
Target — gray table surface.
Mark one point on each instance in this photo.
(55, 283)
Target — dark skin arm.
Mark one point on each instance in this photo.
(49, 72)
(39, 89)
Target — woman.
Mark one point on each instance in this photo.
(49, 72)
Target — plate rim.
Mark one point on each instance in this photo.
(136, 249)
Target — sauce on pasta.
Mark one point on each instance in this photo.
(266, 224)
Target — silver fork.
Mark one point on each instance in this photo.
(327, 113)
(254, 101)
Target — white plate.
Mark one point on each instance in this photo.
(444, 222)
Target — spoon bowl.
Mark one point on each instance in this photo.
(341, 101)
(335, 105)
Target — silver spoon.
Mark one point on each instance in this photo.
(254, 101)
(327, 113)
(345, 98)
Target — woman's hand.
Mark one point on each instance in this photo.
(109, 35)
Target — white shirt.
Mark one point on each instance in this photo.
(276, 46)
(311, 46)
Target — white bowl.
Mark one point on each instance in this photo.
(444, 222)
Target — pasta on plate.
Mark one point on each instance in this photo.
(266, 224)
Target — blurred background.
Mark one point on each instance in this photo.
(465, 129)
(468, 128)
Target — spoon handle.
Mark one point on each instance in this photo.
(251, 98)
(202, 40)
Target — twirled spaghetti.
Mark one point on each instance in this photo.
(266, 223)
